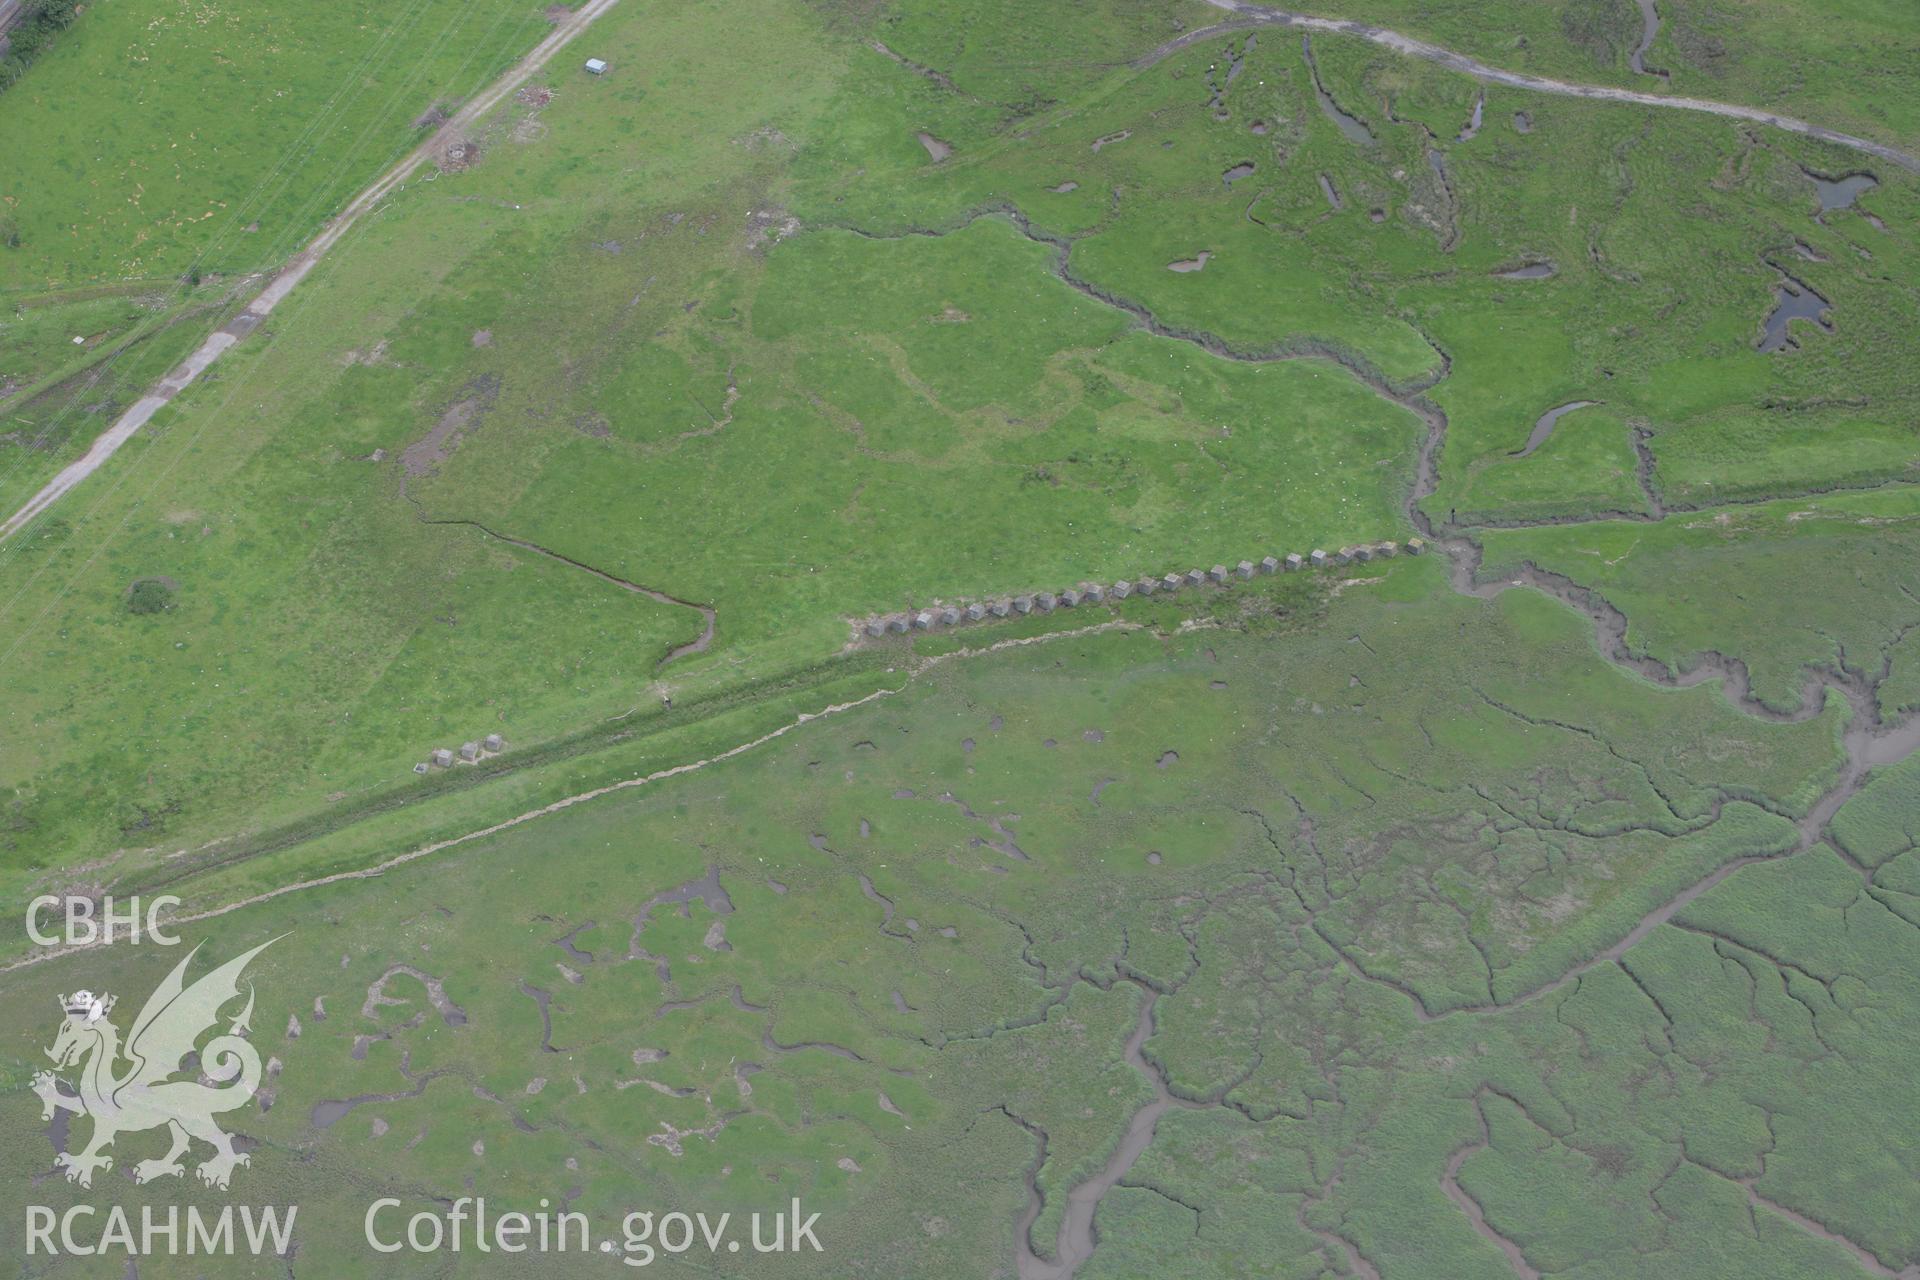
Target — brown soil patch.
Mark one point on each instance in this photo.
(458, 155)
(769, 226)
(424, 456)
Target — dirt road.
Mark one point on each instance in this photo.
(1407, 45)
(9, 18)
(296, 269)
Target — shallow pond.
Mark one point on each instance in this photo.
(1840, 193)
(1792, 301)
(1351, 126)
(1649, 28)
(1543, 425)
(1473, 122)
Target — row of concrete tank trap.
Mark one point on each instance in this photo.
(470, 753)
(953, 615)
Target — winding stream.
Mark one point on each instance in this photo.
(1649, 28)
(1076, 1241)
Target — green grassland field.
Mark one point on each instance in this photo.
(1542, 904)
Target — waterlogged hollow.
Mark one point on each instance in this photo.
(1543, 425)
(1355, 131)
(1792, 301)
(1841, 192)
(1474, 121)
(1649, 28)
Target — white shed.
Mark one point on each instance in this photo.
(596, 67)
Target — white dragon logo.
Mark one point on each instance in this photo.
(142, 1096)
